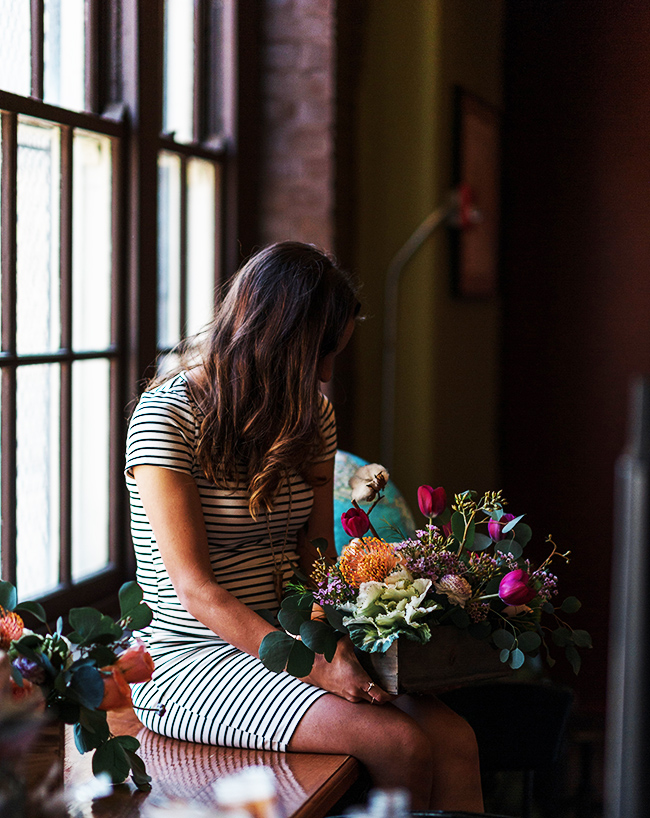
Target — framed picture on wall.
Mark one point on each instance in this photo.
(475, 245)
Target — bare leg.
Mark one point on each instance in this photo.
(396, 752)
(456, 783)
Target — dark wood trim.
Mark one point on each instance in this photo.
(65, 420)
(61, 116)
(200, 66)
(8, 283)
(37, 34)
(56, 357)
(216, 152)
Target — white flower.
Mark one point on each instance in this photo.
(367, 481)
(457, 588)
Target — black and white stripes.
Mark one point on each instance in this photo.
(213, 692)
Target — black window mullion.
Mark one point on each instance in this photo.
(200, 60)
(37, 12)
(65, 556)
(8, 283)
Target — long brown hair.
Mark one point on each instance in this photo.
(257, 385)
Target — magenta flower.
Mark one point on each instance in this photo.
(355, 522)
(495, 526)
(514, 588)
(432, 501)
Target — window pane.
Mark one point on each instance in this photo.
(91, 241)
(201, 226)
(15, 47)
(63, 53)
(37, 288)
(178, 86)
(215, 78)
(90, 464)
(169, 250)
(37, 478)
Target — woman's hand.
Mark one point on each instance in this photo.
(345, 677)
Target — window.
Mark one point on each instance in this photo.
(112, 247)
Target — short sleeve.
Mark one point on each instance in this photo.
(162, 432)
(328, 430)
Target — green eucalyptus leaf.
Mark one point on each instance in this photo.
(128, 743)
(88, 686)
(529, 641)
(458, 526)
(111, 758)
(511, 547)
(139, 617)
(59, 626)
(267, 616)
(562, 637)
(516, 659)
(523, 534)
(320, 544)
(320, 637)
(574, 658)
(85, 740)
(509, 526)
(102, 655)
(34, 608)
(582, 639)
(503, 639)
(298, 602)
(459, 617)
(481, 542)
(130, 596)
(570, 605)
(480, 630)
(138, 772)
(301, 660)
(496, 514)
(8, 596)
(94, 721)
(548, 608)
(504, 655)
(274, 650)
(335, 618)
(493, 585)
(293, 620)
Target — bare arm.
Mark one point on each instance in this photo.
(172, 504)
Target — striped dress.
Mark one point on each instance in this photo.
(212, 692)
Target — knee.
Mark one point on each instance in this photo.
(461, 744)
(413, 746)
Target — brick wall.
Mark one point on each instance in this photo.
(296, 185)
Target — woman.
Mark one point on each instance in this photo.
(227, 462)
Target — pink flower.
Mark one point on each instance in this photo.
(514, 588)
(355, 522)
(495, 526)
(432, 501)
(135, 663)
(457, 589)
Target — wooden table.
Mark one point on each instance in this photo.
(308, 784)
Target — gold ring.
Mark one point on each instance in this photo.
(370, 687)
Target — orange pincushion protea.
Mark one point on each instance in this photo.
(367, 560)
(11, 627)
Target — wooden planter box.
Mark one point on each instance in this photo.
(451, 658)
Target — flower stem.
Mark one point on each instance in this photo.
(372, 530)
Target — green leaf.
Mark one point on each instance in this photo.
(523, 534)
(504, 655)
(320, 544)
(301, 660)
(274, 651)
(88, 686)
(298, 602)
(102, 655)
(511, 547)
(267, 616)
(459, 617)
(94, 721)
(139, 617)
(128, 742)
(111, 758)
(516, 659)
(85, 740)
(458, 526)
(292, 620)
(582, 639)
(130, 596)
(8, 596)
(335, 618)
(509, 526)
(138, 772)
(493, 586)
(320, 637)
(548, 608)
(570, 605)
(562, 637)
(480, 630)
(481, 542)
(529, 641)
(574, 658)
(34, 608)
(503, 639)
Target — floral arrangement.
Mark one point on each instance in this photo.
(465, 568)
(83, 675)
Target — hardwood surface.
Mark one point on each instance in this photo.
(308, 784)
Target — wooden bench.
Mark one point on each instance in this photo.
(309, 785)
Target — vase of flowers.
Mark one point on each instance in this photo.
(458, 599)
(78, 677)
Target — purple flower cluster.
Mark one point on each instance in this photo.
(29, 670)
(477, 611)
(334, 590)
(548, 587)
(482, 566)
(423, 561)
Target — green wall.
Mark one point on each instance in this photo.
(413, 53)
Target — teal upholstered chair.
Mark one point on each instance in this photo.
(391, 515)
